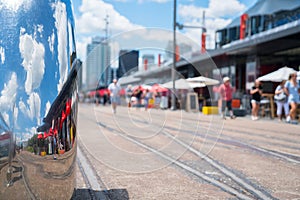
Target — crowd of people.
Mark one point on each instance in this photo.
(286, 97)
(145, 97)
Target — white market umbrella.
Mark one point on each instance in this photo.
(182, 84)
(278, 75)
(204, 80)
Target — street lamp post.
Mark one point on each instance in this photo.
(180, 26)
(173, 100)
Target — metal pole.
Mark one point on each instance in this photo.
(173, 105)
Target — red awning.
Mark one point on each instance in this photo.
(158, 88)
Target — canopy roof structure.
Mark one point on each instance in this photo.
(278, 75)
(204, 80)
(182, 84)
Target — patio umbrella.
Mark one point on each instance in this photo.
(92, 93)
(102, 91)
(158, 88)
(141, 87)
(204, 80)
(278, 75)
(182, 84)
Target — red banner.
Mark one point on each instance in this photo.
(243, 26)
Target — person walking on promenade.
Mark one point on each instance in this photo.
(291, 88)
(114, 89)
(217, 97)
(138, 94)
(128, 93)
(281, 101)
(256, 93)
(147, 97)
(226, 91)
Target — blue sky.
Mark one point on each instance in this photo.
(125, 15)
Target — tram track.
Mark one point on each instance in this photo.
(97, 189)
(233, 141)
(238, 141)
(244, 190)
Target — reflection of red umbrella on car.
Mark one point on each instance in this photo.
(158, 88)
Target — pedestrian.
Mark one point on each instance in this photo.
(147, 96)
(114, 89)
(281, 101)
(217, 98)
(97, 97)
(157, 99)
(291, 88)
(226, 91)
(138, 92)
(256, 93)
(128, 93)
(105, 97)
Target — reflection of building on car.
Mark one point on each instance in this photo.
(60, 138)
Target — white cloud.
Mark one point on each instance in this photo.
(8, 97)
(23, 107)
(8, 94)
(12, 5)
(32, 53)
(33, 108)
(230, 8)
(51, 40)
(216, 17)
(81, 50)
(93, 14)
(16, 113)
(26, 135)
(2, 55)
(34, 103)
(5, 116)
(60, 17)
(39, 29)
(91, 23)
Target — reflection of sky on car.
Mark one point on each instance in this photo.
(34, 61)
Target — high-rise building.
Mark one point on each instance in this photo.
(97, 62)
(128, 60)
(79, 78)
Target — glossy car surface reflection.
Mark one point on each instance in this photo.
(38, 99)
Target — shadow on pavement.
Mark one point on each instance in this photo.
(114, 194)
